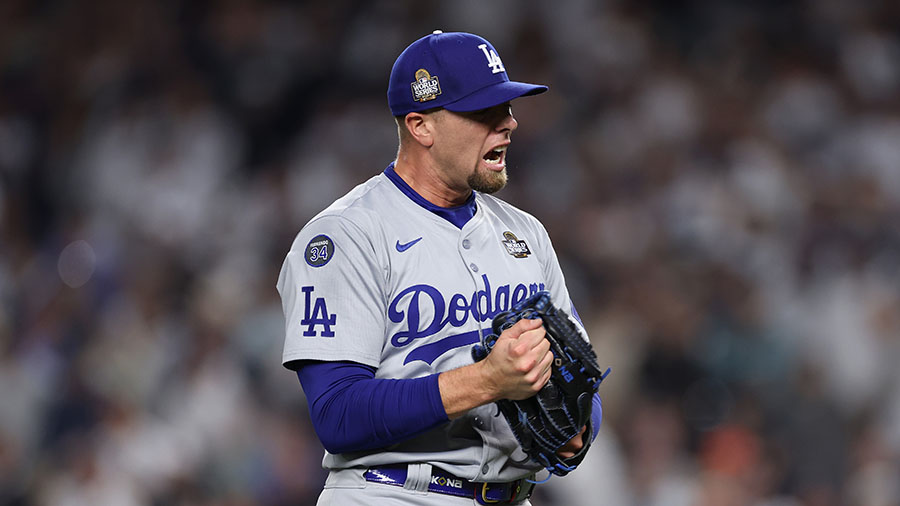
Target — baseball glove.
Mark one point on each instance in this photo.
(545, 422)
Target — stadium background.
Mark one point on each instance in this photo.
(721, 180)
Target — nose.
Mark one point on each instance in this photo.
(508, 122)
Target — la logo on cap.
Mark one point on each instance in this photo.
(494, 61)
(425, 87)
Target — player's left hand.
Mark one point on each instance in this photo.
(574, 445)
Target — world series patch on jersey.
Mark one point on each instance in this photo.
(410, 296)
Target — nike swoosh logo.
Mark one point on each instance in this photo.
(403, 247)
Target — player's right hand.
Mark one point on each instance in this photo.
(520, 362)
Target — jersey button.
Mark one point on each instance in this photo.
(473, 267)
(479, 423)
(485, 468)
(466, 244)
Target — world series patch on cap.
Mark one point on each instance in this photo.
(457, 71)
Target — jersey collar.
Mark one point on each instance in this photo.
(457, 215)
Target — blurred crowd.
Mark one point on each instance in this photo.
(721, 181)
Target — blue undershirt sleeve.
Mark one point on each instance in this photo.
(596, 415)
(351, 410)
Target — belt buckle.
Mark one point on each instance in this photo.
(481, 495)
(511, 492)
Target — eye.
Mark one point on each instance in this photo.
(491, 115)
(480, 116)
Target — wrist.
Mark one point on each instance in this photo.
(465, 388)
(488, 390)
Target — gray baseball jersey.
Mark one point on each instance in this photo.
(378, 279)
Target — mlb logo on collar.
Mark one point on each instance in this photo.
(457, 71)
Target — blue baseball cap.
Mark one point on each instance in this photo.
(457, 71)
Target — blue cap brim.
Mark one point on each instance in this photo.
(494, 94)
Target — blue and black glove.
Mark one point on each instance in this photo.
(545, 422)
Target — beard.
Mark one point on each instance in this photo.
(485, 181)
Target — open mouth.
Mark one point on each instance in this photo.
(495, 156)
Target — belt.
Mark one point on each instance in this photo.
(443, 482)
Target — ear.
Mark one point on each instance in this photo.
(420, 127)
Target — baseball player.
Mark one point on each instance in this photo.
(385, 292)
